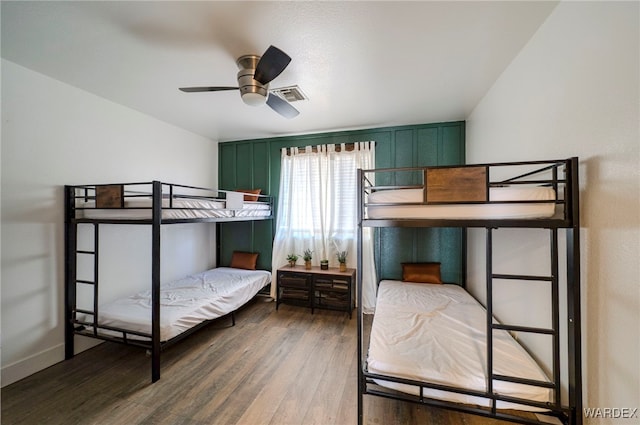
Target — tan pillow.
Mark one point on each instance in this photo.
(244, 260)
(421, 272)
(251, 191)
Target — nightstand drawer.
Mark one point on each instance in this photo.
(294, 294)
(338, 300)
(335, 284)
(286, 280)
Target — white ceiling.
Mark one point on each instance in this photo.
(362, 64)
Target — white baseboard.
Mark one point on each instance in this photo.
(21, 369)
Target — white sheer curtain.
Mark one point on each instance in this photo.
(317, 209)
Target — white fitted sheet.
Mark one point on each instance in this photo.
(181, 209)
(436, 334)
(186, 302)
(464, 211)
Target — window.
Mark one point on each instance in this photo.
(317, 204)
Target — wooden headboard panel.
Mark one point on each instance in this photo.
(456, 184)
(110, 196)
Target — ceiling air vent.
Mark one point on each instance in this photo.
(290, 94)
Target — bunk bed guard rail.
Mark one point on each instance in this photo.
(509, 192)
(178, 203)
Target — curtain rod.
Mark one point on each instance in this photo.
(348, 147)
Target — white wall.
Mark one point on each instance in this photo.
(574, 91)
(54, 134)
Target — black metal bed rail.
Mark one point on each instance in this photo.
(119, 340)
(561, 412)
(478, 411)
(91, 186)
(516, 328)
(525, 182)
(88, 193)
(550, 164)
(554, 180)
(554, 166)
(524, 381)
(490, 396)
(523, 277)
(95, 325)
(560, 180)
(168, 192)
(169, 186)
(555, 201)
(147, 338)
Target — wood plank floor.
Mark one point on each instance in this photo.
(274, 367)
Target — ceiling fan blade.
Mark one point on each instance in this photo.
(201, 89)
(281, 106)
(271, 64)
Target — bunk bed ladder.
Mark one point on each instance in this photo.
(554, 331)
(94, 282)
(71, 274)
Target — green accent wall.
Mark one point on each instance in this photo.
(253, 164)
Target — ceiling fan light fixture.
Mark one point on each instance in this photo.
(253, 99)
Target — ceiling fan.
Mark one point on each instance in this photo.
(253, 81)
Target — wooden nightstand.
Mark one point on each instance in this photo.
(316, 288)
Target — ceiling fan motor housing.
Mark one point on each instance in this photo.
(256, 72)
(253, 93)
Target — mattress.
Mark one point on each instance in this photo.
(140, 208)
(186, 302)
(495, 210)
(436, 334)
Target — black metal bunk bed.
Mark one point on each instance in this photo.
(144, 203)
(470, 185)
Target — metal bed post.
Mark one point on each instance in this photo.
(555, 320)
(218, 247)
(489, 310)
(464, 235)
(155, 280)
(96, 275)
(573, 296)
(70, 243)
(361, 383)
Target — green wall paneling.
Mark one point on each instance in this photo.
(256, 164)
(244, 169)
(427, 145)
(452, 243)
(428, 151)
(245, 165)
(260, 166)
(248, 236)
(234, 236)
(451, 153)
(227, 166)
(262, 242)
(404, 155)
(399, 247)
